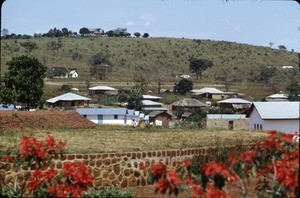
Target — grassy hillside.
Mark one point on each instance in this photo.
(167, 55)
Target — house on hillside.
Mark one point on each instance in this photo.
(235, 103)
(98, 90)
(149, 105)
(227, 121)
(212, 93)
(59, 72)
(68, 100)
(188, 103)
(160, 118)
(279, 116)
(280, 97)
(73, 73)
(151, 97)
(95, 31)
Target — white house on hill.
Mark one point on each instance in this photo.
(279, 116)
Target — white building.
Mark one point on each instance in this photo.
(279, 116)
(101, 90)
(73, 73)
(111, 116)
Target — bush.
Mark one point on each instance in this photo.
(274, 163)
(108, 193)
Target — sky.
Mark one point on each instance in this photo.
(254, 22)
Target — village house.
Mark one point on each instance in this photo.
(73, 73)
(235, 104)
(151, 97)
(98, 90)
(149, 105)
(227, 121)
(280, 97)
(279, 116)
(68, 100)
(212, 93)
(188, 103)
(160, 118)
(112, 116)
(95, 31)
(59, 72)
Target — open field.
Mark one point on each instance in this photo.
(119, 139)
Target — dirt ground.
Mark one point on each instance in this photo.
(23, 120)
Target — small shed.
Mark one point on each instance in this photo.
(68, 100)
(188, 103)
(101, 90)
(161, 118)
(279, 116)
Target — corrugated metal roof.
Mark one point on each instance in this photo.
(154, 108)
(235, 101)
(67, 97)
(226, 116)
(278, 110)
(101, 111)
(278, 96)
(103, 88)
(189, 102)
(150, 97)
(207, 90)
(150, 103)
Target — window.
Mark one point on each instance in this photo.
(254, 126)
(115, 117)
(260, 127)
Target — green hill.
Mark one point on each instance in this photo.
(170, 56)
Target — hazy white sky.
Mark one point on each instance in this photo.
(245, 21)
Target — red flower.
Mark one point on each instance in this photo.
(162, 185)
(173, 179)
(213, 192)
(158, 169)
(213, 168)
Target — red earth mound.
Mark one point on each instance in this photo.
(22, 120)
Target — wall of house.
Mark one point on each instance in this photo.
(238, 124)
(255, 119)
(93, 118)
(109, 119)
(286, 126)
(122, 169)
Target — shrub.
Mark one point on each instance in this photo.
(108, 193)
(33, 159)
(274, 162)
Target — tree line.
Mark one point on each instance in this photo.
(65, 32)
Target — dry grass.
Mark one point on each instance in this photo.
(121, 139)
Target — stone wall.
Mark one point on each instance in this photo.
(122, 169)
